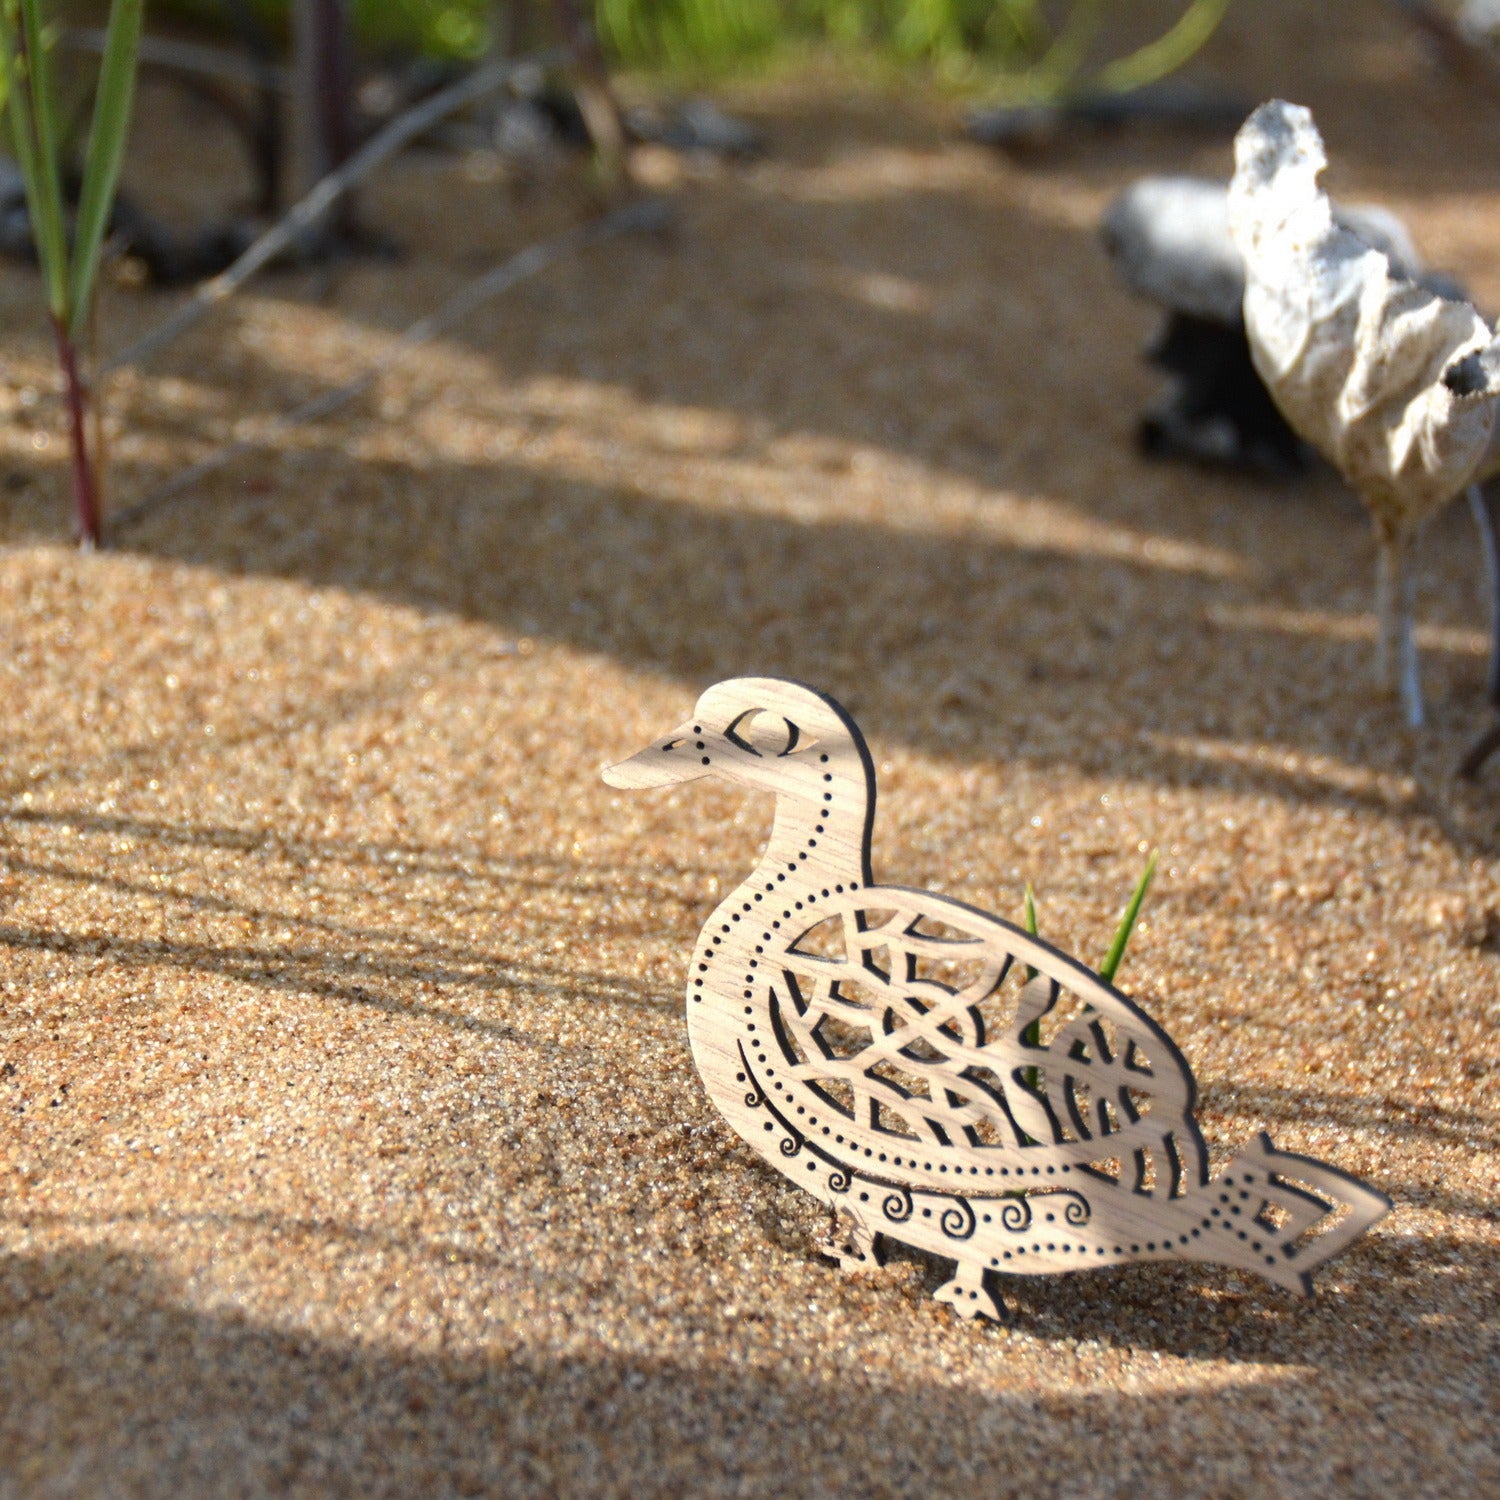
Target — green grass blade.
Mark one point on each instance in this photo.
(1051, 76)
(8, 63)
(37, 99)
(23, 132)
(1030, 923)
(106, 152)
(41, 95)
(1033, 1033)
(1110, 967)
(1167, 53)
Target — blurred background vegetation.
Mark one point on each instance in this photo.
(1024, 47)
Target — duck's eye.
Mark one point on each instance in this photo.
(799, 742)
(763, 733)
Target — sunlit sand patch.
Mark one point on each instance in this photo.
(612, 438)
(1291, 763)
(865, 173)
(890, 293)
(1320, 624)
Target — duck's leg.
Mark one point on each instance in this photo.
(1395, 596)
(969, 1294)
(851, 1242)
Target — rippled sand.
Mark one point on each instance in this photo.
(350, 1139)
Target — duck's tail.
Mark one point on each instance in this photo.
(1281, 1214)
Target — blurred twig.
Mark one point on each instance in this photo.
(307, 213)
(640, 217)
(190, 57)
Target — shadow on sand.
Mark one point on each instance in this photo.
(112, 1382)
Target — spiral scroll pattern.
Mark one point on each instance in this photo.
(958, 1220)
(1077, 1212)
(898, 1207)
(1015, 1214)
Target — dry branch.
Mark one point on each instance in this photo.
(306, 214)
(192, 58)
(640, 217)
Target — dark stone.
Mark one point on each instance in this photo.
(1172, 104)
(1216, 410)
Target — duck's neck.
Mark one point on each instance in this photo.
(819, 850)
(820, 842)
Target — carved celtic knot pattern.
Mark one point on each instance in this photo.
(921, 1034)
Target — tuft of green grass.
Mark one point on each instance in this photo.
(1121, 940)
(1167, 53)
(1111, 965)
(69, 262)
(1032, 1035)
(1024, 49)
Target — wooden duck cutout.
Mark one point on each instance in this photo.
(871, 1043)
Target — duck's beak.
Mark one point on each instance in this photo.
(673, 758)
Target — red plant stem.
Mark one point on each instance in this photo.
(86, 518)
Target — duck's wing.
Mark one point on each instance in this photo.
(958, 1043)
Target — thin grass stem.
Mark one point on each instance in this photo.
(1151, 63)
(105, 156)
(1112, 960)
(1032, 1035)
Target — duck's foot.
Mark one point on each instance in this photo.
(969, 1295)
(853, 1244)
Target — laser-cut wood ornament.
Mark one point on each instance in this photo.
(870, 1042)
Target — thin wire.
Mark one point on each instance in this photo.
(642, 217)
(190, 57)
(386, 141)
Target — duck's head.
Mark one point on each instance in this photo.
(762, 732)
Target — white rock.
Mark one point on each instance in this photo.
(1479, 20)
(1169, 238)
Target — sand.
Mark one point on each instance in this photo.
(351, 1143)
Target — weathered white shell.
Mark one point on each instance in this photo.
(1353, 352)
